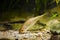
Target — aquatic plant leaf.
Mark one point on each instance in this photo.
(54, 15)
(57, 1)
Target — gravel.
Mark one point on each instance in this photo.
(14, 35)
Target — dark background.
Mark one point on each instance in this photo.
(30, 6)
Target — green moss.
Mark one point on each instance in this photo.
(16, 26)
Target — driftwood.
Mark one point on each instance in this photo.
(7, 25)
